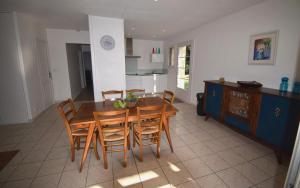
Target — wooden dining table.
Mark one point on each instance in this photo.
(84, 116)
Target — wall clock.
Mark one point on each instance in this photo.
(107, 42)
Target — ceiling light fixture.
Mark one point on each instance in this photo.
(155, 0)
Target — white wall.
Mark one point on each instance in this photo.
(57, 39)
(73, 51)
(108, 66)
(13, 106)
(221, 48)
(144, 48)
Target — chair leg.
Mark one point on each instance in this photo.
(125, 152)
(128, 141)
(78, 142)
(141, 147)
(158, 146)
(95, 146)
(133, 140)
(72, 152)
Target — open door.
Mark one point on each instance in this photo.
(184, 63)
(45, 73)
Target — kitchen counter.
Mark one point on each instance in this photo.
(144, 74)
(151, 82)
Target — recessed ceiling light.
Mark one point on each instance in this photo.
(133, 28)
(155, 0)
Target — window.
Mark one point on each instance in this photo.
(183, 72)
(172, 56)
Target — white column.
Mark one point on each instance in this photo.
(108, 65)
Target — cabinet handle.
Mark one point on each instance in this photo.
(277, 112)
(214, 93)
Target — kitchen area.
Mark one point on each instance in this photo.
(145, 67)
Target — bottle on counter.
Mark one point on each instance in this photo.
(284, 84)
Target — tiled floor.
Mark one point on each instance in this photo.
(207, 154)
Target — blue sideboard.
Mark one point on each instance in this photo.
(264, 114)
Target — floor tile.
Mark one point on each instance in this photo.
(109, 184)
(149, 162)
(185, 153)
(270, 183)
(73, 179)
(52, 167)
(97, 174)
(211, 181)
(268, 166)
(36, 156)
(6, 172)
(154, 178)
(50, 181)
(197, 168)
(234, 179)
(215, 162)
(25, 171)
(254, 174)
(167, 157)
(25, 183)
(189, 184)
(231, 157)
(177, 173)
(200, 149)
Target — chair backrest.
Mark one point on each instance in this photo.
(169, 96)
(116, 117)
(135, 91)
(151, 113)
(105, 94)
(67, 111)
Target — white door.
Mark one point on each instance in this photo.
(184, 70)
(45, 73)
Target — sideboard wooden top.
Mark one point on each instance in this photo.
(263, 90)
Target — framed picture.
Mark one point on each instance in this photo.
(262, 49)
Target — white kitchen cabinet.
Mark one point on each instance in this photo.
(148, 83)
(160, 82)
(134, 82)
(151, 83)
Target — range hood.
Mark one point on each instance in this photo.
(129, 49)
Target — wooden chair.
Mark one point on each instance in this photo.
(135, 91)
(105, 94)
(148, 127)
(67, 112)
(169, 96)
(113, 132)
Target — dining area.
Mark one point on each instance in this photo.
(118, 124)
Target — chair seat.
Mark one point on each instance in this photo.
(79, 132)
(116, 134)
(147, 127)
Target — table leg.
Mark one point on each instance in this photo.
(167, 131)
(87, 144)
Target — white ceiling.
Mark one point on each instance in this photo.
(144, 19)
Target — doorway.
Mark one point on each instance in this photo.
(80, 71)
(183, 76)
